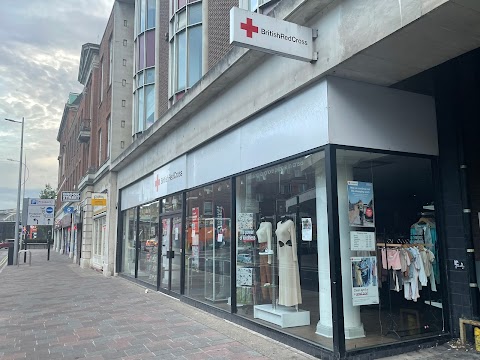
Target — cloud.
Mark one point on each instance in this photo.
(39, 59)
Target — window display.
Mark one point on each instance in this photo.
(388, 248)
(283, 269)
(207, 248)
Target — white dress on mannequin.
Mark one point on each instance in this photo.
(264, 236)
(289, 292)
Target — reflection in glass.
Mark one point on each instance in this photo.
(194, 55)
(207, 248)
(148, 242)
(283, 271)
(150, 108)
(151, 14)
(181, 61)
(129, 240)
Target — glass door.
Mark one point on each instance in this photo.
(171, 253)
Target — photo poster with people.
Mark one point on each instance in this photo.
(364, 280)
(246, 227)
(307, 233)
(360, 204)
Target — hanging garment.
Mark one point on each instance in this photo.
(391, 259)
(428, 258)
(416, 277)
(289, 292)
(264, 236)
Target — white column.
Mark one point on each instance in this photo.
(87, 230)
(72, 238)
(351, 314)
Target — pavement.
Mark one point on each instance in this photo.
(54, 310)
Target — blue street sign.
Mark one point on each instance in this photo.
(49, 210)
(68, 210)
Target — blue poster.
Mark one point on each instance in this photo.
(360, 204)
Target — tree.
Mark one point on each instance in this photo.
(48, 193)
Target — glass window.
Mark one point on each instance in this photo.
(141, 51)
(150, 76)
(142, 15)
(181, 20)
(389, 247)
(207, 248)
(110, 67)
(194, 55)
(141, 110)
(129, 241)
(181, 3)
(150, 47)
(151, 14)
(195, 14)
(181, 61)
(148, 242)
(172, 203)
(282, 257)
(140, 79)
(150, 105)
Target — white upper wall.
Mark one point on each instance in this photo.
(377, 117)
(333, 110)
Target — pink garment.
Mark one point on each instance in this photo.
(391, 259)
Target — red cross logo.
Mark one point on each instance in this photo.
(157, 183)
(249, 28)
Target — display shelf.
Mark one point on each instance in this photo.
(283, 316)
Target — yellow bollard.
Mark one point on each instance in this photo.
(477, 338)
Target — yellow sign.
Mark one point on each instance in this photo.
(99, 202)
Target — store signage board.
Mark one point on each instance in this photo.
(99, 203)
(270, 35)
(41, 212)
(170, 178)
(70, 196)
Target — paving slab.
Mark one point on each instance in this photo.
(56, 310)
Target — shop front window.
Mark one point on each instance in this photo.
(148, 242)
(389, 248)
(129, 241)
(282, 259)
(207, 248)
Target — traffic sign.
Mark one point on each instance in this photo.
(40, 212)
(68, 210)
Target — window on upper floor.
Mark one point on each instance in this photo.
(110, 68)
(144, 79)
(254, 5)
(100, 158)
(185, 46)
(109, 134)
(101, 80)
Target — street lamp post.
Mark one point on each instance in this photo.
(19, 193)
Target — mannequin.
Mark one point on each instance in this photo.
(289, 292)
(264, 236)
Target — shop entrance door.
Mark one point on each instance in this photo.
(171, 260)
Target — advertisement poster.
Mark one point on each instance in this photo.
(360, 204)
(362, 241)
(307, 234)
(364, 280)
(195, 213)
(245, 227)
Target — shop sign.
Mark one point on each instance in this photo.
(170, 178)
(270, 35)
(70, 196)
(99, 203)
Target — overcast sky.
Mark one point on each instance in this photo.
(40, 43)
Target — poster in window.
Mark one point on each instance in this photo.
(364, 280)
(307, 229)
(360, 204)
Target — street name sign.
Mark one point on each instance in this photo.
(270, 35)
(41, 211)
(70, 196)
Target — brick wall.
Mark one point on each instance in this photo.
(219, 29)
(162, 61)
